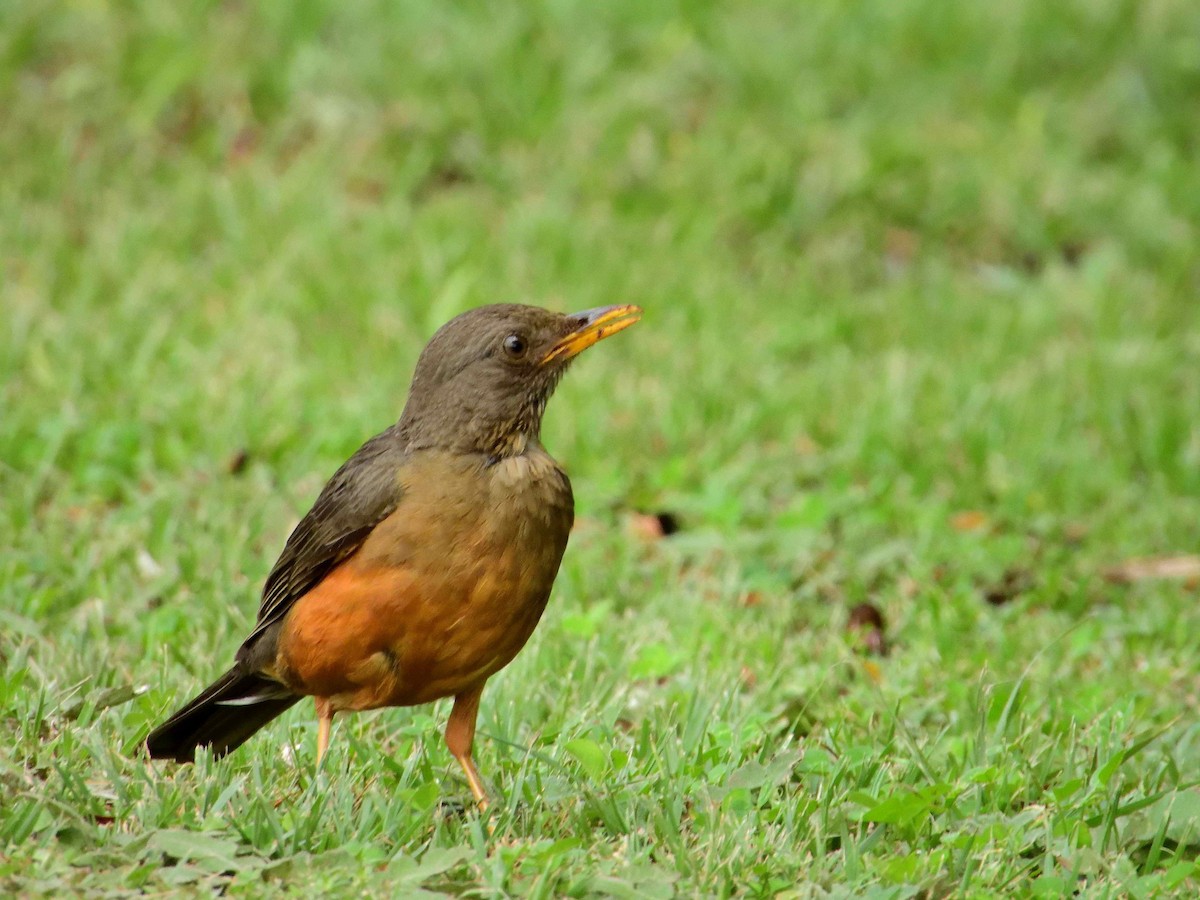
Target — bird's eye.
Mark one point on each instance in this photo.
(514, 346)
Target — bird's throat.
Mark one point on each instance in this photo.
(514, 444)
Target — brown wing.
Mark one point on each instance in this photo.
(360, 495)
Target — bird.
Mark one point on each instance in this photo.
(426, 561)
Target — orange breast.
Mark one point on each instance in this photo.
(441, 596)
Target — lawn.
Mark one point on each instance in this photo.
(922, 331)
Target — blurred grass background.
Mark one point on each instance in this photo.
(920, 283)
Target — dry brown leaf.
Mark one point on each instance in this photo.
(866, 621)
(1075, 532)
(750, 599)
(236, 464)
(805, 446)
(900, 245)
(969, 520)
(1013, 583)
(242, 147)
(1145, 568)
(653, 526)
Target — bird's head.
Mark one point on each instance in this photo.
(482, 382)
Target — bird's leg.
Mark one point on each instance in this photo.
(324, 723)
(460, 736)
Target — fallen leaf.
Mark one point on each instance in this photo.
(866, 621)
(1075, 532)
(1011, 585)
(237, 463)
(645, 527)
(1169, 568)
(805, 446)
(969, 520)
(900, 245)
(668, 523)
(242, 147)
(865, 615)
(1072, 251)
(443, 177)
(653, 526)
(367, 190)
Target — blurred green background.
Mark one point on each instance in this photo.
(921, 330)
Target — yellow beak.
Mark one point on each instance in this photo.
(594, 325)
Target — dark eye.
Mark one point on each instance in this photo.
(514, 346)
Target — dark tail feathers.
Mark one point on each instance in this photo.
(223, 717)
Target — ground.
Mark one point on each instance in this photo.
(921, 331)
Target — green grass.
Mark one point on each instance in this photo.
(900, 261)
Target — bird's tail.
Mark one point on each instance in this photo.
(222, 717)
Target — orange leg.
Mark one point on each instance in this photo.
(460, 736)
(324, 723)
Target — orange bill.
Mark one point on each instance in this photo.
(594, 325)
